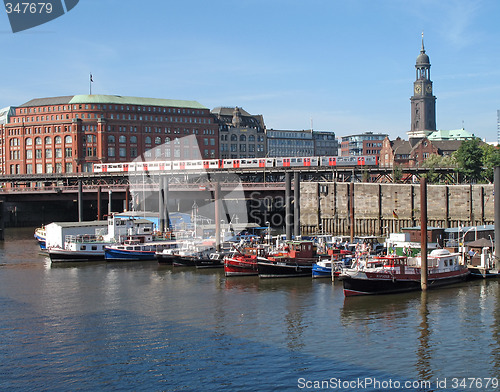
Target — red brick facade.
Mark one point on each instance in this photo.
(69, 134)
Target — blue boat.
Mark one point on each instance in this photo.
(134, 250)
(323, 268)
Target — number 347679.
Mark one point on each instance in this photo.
(28, 8)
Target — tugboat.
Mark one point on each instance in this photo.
(243, 262)
(395, 274)
(295, 259)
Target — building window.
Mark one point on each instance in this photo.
(29, 168)
(111, 151)
(111, 138)
(38, 155)
(68, 153)
(48, 153)
(29, 154)
(58, 153)
(48, 140)
(123, 152)
(67, 139)
(133, 139)
(38, 141)
(58, 140)
(29, 142)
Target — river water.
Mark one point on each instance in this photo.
(144, 327)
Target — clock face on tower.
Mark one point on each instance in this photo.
(428, 89)
(418, 89)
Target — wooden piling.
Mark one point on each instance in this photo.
(423, 233)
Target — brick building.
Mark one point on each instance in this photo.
(70, 133)
(400, 152)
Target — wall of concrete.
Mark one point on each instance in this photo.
(383, 208)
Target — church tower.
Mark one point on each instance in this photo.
(423, 103)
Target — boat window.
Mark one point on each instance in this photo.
(94, 247)
(129, 248)
(137, 248)
(83, 247)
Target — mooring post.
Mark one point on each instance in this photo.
(296, 204)
(423, 233)
(496, 190)
(80, 201)
(288, 206)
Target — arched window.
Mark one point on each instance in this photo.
(111, 138)
(29, 141)
(234, 138)
(122, 139)
(243, 138)
(133, 139)
(48, 140)
(148, 140)
(157, 140)
(58, 140)
(38, 140)
(167, 141)
(67, 139)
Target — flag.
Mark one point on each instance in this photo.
(394, 215)
(91, 80)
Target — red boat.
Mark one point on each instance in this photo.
(244, 262)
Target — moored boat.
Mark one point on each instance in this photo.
(337, 261)
(243, 262)
(394, 274)
(295, 259)
(135, 250)
(79, 248)
(40, 235)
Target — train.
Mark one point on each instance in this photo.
(241, 163)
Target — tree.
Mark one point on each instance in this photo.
(435, 161)
(470, 159)
(491, 159)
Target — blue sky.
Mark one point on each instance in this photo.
(344, 65)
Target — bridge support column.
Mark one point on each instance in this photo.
(80, 201)
(110, 197)
(99, 215)
(163, 204)
(217, 201)
(296, 204)
(288, 206)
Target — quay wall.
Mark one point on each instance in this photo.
(383, 208)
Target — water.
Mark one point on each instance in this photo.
(144, 327)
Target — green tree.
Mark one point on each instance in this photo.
(491, 159)
(470, 159)
(436, 161)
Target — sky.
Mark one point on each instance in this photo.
(346, 66)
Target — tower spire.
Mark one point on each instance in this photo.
(422, 50)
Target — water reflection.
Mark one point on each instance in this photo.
(424, 351)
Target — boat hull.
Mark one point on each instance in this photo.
(283, 270)
(128, 255)
(321, 272)
(62, 255)
(354, 286)
(240, 267)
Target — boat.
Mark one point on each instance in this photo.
(199, 258)
(243, 261)
(323, 268)
(79, 248)
(293, 259)
(41, 236)
(480, 260)
(395, 274)
(136, 250)
(92, 247)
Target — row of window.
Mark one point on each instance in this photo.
(39, 168)
(243, 138)
(38, 141)
(49, 153)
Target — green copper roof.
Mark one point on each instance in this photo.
(121, 100)
(455, 134)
